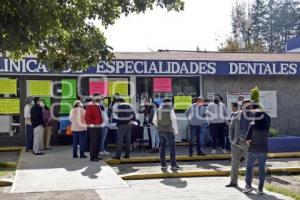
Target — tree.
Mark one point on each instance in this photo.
(258, 21)
(273, 23)
(61, 32)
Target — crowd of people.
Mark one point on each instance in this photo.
(244, 131)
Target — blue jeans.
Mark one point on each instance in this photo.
(204, 129)
(29, 137)
(104, 134)
(167, 138)
(79, 138)
(195, 131)
(261, 157)
(154, 137)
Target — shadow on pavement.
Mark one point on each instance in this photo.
(175, 182)
(255, 196)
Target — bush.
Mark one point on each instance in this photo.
(255, 94)
(274, 132)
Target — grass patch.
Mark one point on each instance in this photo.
(284, 191)
(6, 171)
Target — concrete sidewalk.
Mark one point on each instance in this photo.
(211, 188)
(58, 171)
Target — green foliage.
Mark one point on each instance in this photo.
(62, 33)
(284, 191)
(255, 94)
(264, 25)
(274, 132)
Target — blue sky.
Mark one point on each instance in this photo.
(203, 23)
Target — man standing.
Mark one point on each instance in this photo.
(165, 120)
(36, 116)
(125, 119)
(94, 120)
(238, 129)
(195, 115)
(216, 114)
(29, 129)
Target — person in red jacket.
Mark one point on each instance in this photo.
(93, 119)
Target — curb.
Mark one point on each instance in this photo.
(8, 165)
(194, 158)
(205, 174)
(5, 183)
(4, 149)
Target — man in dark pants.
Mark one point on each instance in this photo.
(195, 115)
(165, 120)
(125, 119)
(94, 120)
(216, 114)
(36, 117)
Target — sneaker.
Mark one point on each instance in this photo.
(38, 154)
(176, 167)
(213, 152)
(247, 189)
(164, 168)
(116, 157)
(105, 153)
(260, 191)
(231, 185)
(126, 157)
(82, 157)
(224, 151)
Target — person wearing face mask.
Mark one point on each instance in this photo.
(126, 118)
(79, 128)
(29, 129)
(48, 127)
(36, 116)
(94, 120)
(216, 114)
(166, 123)
(195, 118)
(257, 139)
(238, 129)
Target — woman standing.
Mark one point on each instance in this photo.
(79, 128)
(153, 128)
(257, 138)
(48, 126)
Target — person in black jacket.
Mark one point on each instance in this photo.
(257, 139)
(36, 115)
(125, 119)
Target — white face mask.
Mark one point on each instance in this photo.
(240, 103)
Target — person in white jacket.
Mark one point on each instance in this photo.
(165, 121)
(29, 129)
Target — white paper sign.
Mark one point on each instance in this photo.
(268, 100)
